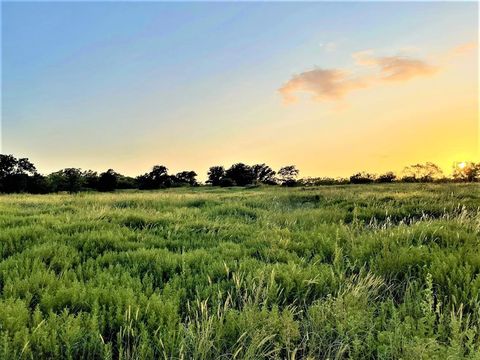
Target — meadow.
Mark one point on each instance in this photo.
(335, 272)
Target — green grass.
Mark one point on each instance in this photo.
(360, 272)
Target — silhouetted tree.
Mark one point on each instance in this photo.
(155, 179)
(422, 172)
(264, 174)
(126, 182)
(14, 183)
(14, 173)
(468, 172)
(145, 182)
(362, 178)
(38, 184)
(316, 181)
(74, 179)
(288, 175)
(56, 181)
(215, 175)
(107, 181)
(226, 182)
(388, 177)
(187, 177)
(7, 165)
(90, 179)
(24, 166)
(240, 174)
(159, 172)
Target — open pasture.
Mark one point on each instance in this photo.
(361, 272)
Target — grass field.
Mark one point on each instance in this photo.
(361, 272)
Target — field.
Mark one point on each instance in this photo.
(361, 272)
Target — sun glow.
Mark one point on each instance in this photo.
(462, 165)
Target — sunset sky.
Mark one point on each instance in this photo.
(334, 88)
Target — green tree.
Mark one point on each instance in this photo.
(69, 179)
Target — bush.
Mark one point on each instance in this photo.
(387, 177)
(362, 178)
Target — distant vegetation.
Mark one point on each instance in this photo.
(21, 175)
(362, 272)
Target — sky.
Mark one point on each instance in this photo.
(332, 87)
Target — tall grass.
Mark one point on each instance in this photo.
(358, 272)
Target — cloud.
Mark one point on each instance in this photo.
(394, 68)
(323, 84)
(401, 68)
(464, 49)
(334, 84)
(460, 51)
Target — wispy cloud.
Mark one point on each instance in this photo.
(369, 70)
(461, 50)
(322, 84)
(402, 68)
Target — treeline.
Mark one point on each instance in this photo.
(420, 173)
(21, 175)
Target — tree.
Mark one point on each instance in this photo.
(14, 183)
(90, 179)
(362, 178)
(317, 181)
(467, 171)
(24, 166)
(14, 174)
(69, 179)
(422, 172)
(38, 184)
(159, 172)
(126, 182)
(7, 165)
(288, 175)
(240, 174)
(388, 177)
(107, 181)
(187, 177)
(215, 175)
(155, 179)
(264, 174)
(226, 182)
(74, 179)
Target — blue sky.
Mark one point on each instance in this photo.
(129, 85)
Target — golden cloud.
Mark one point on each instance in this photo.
(333, 84)
(400, 68)
(321, 84)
